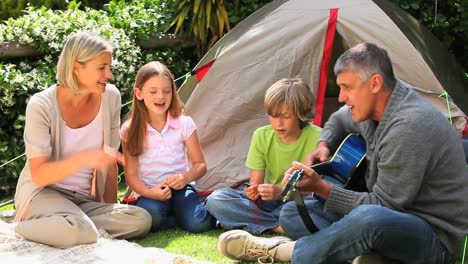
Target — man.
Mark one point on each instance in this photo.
(416, 208)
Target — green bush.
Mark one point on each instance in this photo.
(238, 10)
(15, 8)
(449, 23)
(141, 19)
(46, 30)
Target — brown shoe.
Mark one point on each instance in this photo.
(241, 245)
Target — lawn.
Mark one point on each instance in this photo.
(198, 246)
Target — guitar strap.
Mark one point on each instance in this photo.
(301, 208)
(353, 147)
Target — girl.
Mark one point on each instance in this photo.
(71, 134)
(156, 141)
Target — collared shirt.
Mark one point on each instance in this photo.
(164, 153)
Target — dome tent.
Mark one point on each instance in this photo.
(304, 38)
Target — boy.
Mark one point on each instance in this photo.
(289, 137)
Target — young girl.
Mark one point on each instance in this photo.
(157, 140)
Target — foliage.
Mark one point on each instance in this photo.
(15, 8)
(240, 9)
(205, 21)
(448, 22)
(17, 82)
(141, 19)
(47, 30)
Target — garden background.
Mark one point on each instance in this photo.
(176, 32)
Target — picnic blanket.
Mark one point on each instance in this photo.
(15, 249)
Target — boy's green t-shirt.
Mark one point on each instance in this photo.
(268, 153)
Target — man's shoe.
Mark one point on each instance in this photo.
(241, 245)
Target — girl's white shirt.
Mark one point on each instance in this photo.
(164, 153)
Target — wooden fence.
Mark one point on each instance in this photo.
(10, 50)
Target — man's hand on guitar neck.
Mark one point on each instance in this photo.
(310, 182)
(320, 154)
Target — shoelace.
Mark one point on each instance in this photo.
(261, 253)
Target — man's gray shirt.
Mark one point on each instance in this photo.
(415, 164)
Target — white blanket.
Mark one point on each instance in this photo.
(14, 249)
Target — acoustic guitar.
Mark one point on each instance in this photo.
(346, 169)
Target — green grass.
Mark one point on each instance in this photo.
(197, 246)
(6, 207)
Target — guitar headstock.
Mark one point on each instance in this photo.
(291, 186)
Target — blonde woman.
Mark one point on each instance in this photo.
(71, 136)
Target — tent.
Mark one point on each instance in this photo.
(304, 38)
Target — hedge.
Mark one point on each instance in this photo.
(46, 30)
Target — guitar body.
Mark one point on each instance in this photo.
(347, 166)
(346, 169)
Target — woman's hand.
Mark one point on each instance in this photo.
(101, 158)
(45, 172)
(270, 191)
(176, 181)
(160, 192)
(251, 191)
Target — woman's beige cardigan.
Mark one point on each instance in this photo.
(43, 136)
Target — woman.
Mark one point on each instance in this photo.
(71, 133)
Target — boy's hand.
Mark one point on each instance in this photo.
(251, 191)
(269, 191)
(176, 181)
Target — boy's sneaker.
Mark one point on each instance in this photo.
(241, 245)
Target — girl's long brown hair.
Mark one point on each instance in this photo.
(138, 116)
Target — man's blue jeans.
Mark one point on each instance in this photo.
(234, 210)
(402, 237)
(183, 209)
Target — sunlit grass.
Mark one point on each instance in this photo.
(198, 246)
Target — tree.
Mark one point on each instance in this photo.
(207, 22)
